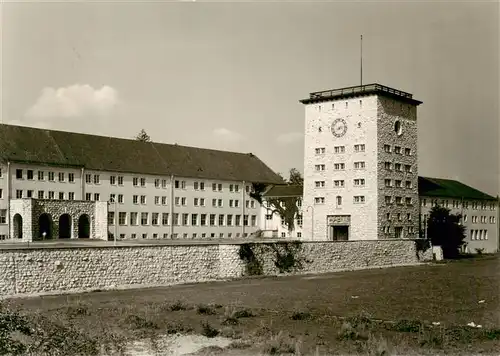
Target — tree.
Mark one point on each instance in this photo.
(143, 136)
(287, 207)
(444, 229)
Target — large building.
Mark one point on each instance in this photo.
(56, 184)
(360, 163)
(479, 213)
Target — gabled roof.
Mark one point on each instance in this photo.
(50, 147)
(437, 187)
(282, 191)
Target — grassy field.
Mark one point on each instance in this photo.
(371, 312)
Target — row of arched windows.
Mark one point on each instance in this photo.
(46, 226)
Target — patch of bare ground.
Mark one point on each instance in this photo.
(275, 316)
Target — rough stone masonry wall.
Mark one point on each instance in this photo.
(35, 271)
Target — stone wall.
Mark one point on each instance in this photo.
(35, 271)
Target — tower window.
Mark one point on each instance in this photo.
(397, 127)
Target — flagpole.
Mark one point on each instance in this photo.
(361, 60)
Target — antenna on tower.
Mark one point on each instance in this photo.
(361, 60)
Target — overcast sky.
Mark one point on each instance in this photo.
(229, 75)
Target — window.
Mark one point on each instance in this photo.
(177, 201)
(195, 201)
(407, 168)
(144, 236)
(120, 198)
(112, 198)
(231, 188)
(194, 219)
(122, 218)
(19, 194)
(359, 148)
(41, 175)
(388, 183)
(155, 218)
(359, 182)
(165, 236)
(61, 195)
(319, 200)
(97, 179)
(214, 202)
(212, 219)
(144, 218)
(41, 194)
(238, 221)
(60, 176)
(183, 201)
(220, 187)
(185, 219)
(135, 199)
(135, 181)
(387, 148)
(143, 199)
(133, 236)
(398, 183)
(143, 182)
(19, 174)
(319, 167)
(397, 150)
(408, 201)
(196, 185)
(30, 174)
(408, 184)
(245, 220)
(254, 220)
(399, 200)
(51, 176)
(397, 167)
(1, 193)
(320, 184)
(163, 200)
(157, 200)
(320, 150)
(338, 200)
(229, 220)
(203, 219)
(202, 185)
(388, 199)
(236, 203)
(0, 172)
(492, 219)
(359, 165)
(214, 187)
(340, 183)
(164, 218)
(111, 217)
(71, 196)
(52, 195)
(112, 180)
(339, 149)
(3, 216)
(221, 219)
(299, 234)
(407, 152)
(157, 183)
(358, 199)
(338, 166)
(388, 165)
(202, 201)
(163, 183)
(96, 196)
(120, 180)
(299, 219)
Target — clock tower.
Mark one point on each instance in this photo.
(360, 164)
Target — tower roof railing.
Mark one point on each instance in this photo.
(359, 89)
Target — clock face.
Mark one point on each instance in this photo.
(339, 127)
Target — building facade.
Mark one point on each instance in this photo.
(273, 224)
(479, 211)
(360, 164)
(151, 190)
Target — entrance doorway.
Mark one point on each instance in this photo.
(65, 226)
(84, 227)
(18, 226)
(45, 226)
(339, 232)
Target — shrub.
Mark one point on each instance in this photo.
(206, 310)
(209, 330)
(177, 306)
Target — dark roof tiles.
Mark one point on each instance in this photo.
(39, 146)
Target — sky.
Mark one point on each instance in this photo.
(229, 75)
